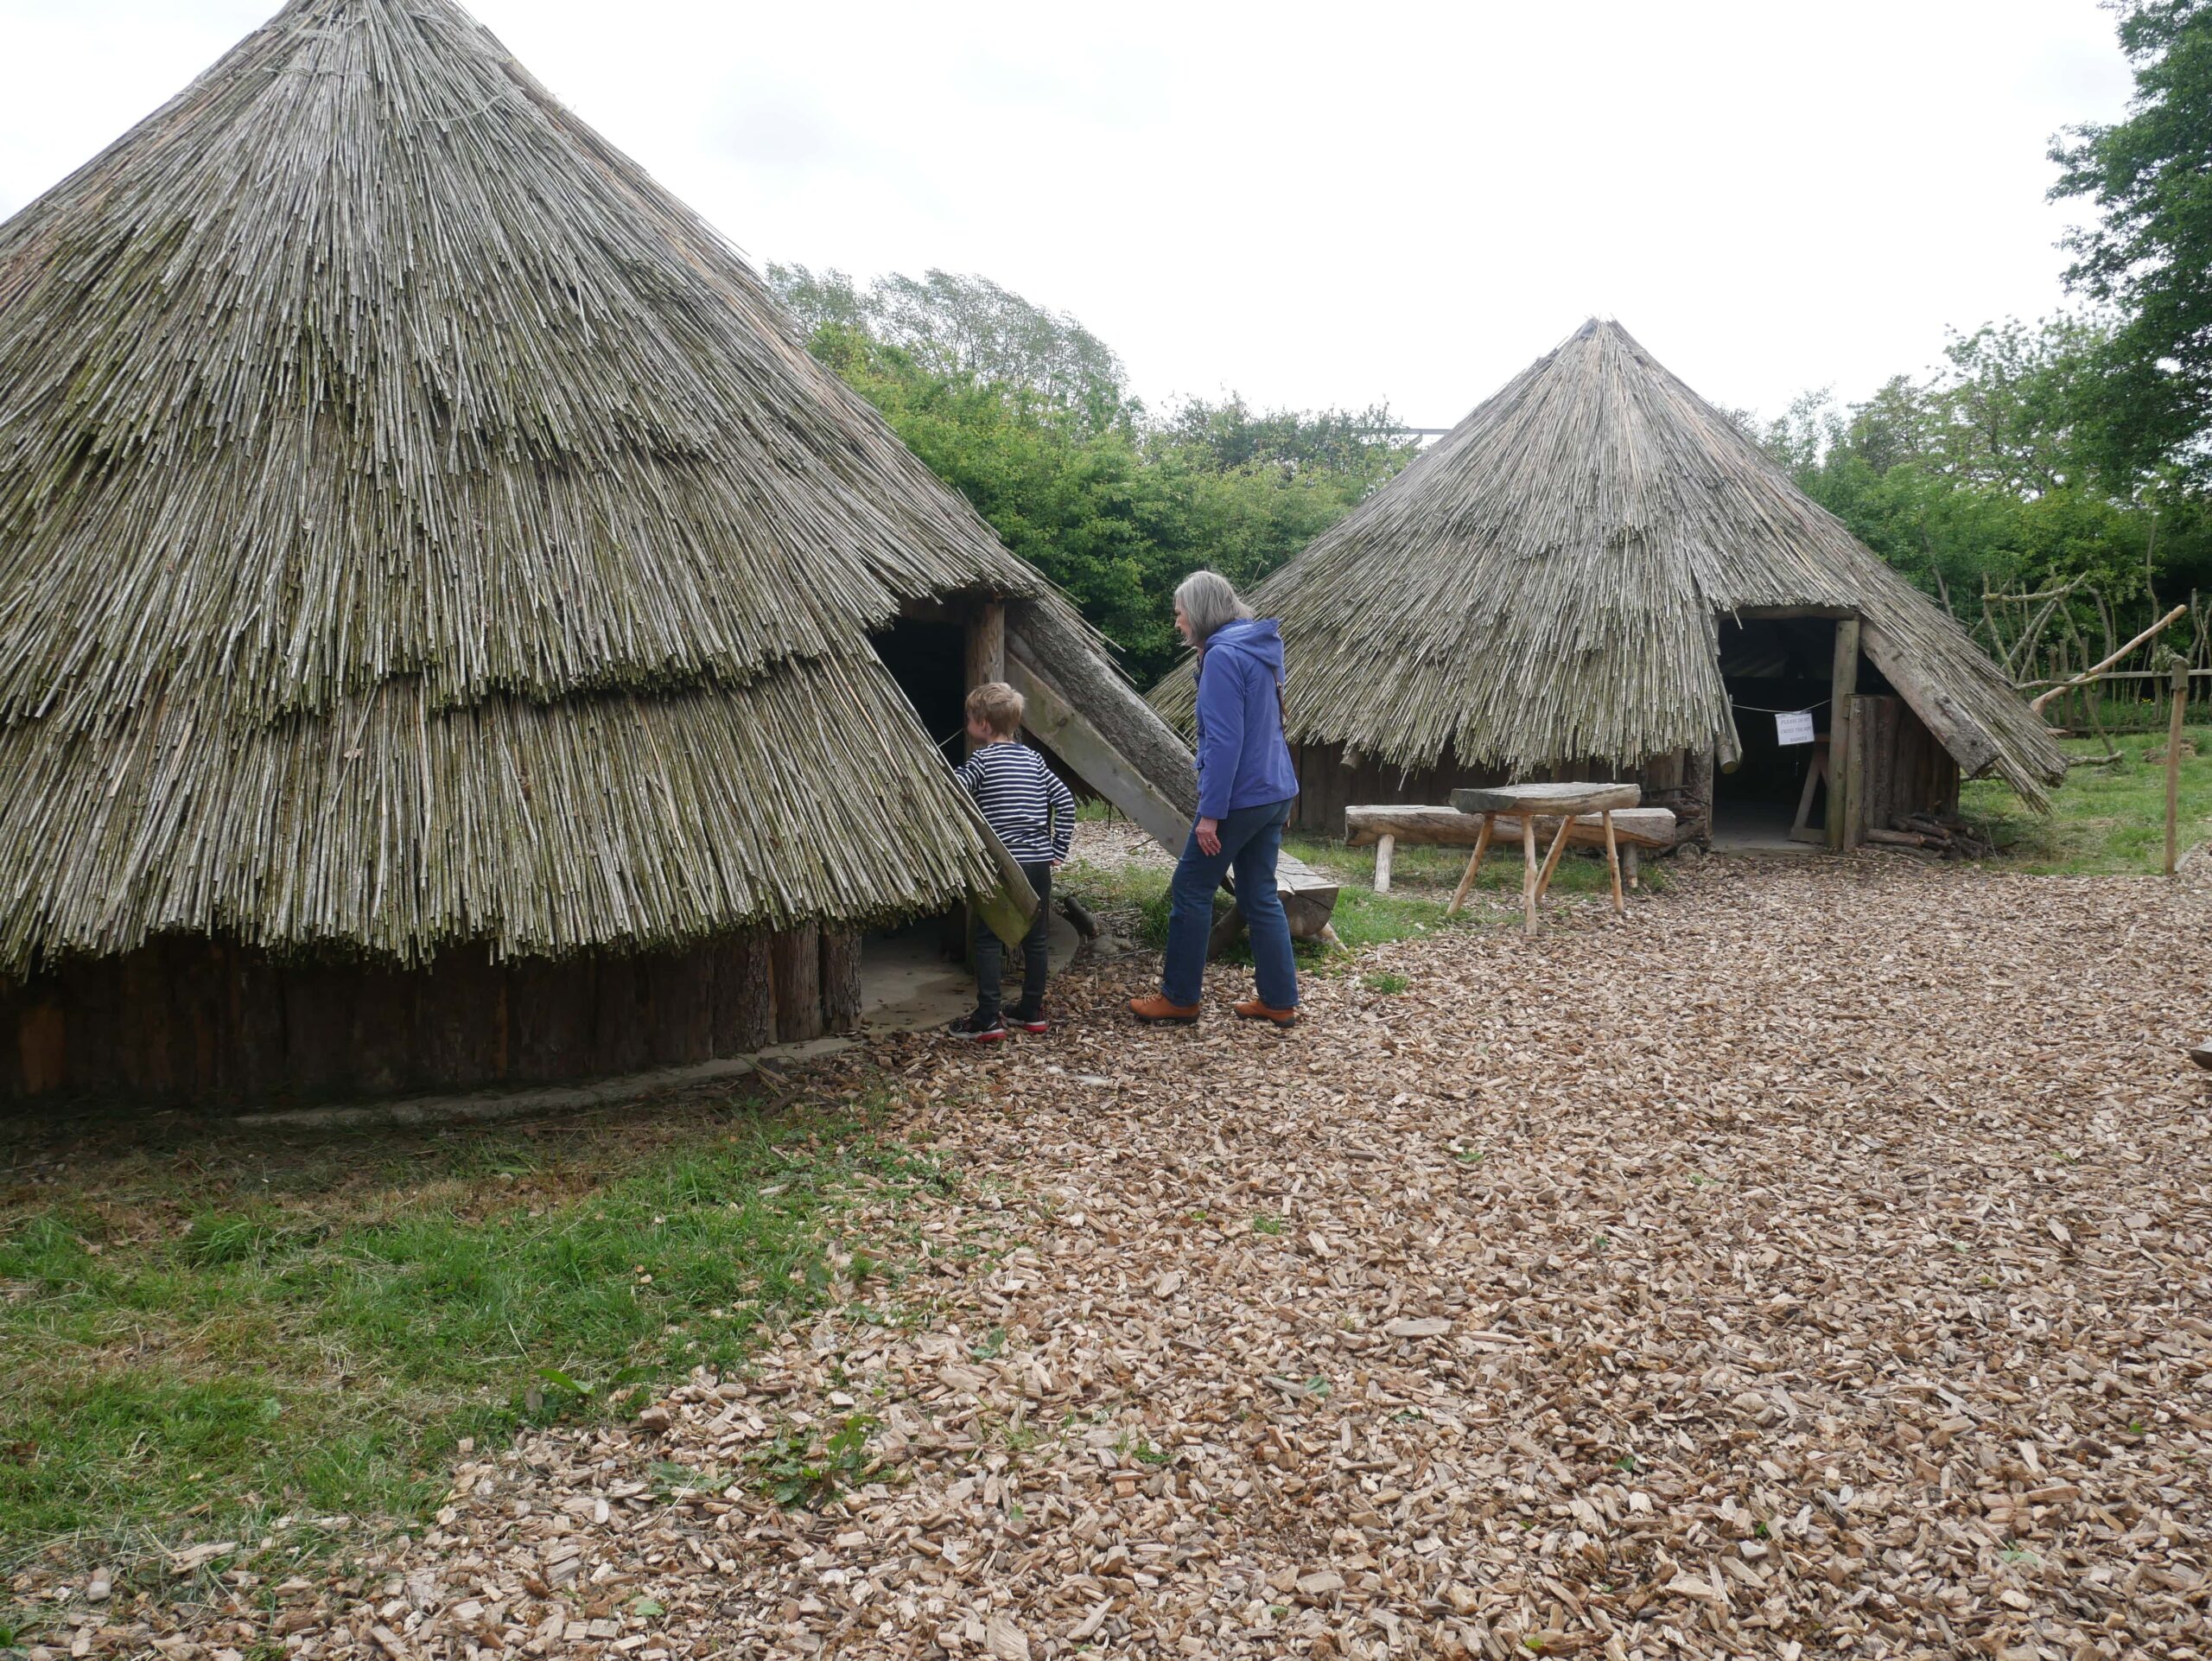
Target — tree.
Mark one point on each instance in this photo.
(1027, 414)
(970, 328)
(2150, 253)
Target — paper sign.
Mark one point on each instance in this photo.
(1795, 727)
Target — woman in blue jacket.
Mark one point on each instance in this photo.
(1246, 785)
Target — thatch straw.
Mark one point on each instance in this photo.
(1543, 585)
(415, 524)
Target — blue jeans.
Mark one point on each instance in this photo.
(1250, 839)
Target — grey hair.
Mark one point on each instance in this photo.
(1209, 601)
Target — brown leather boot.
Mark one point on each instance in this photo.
(1252, 1010)
(1158, 1008)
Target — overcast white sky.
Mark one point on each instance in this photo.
(1330, 206)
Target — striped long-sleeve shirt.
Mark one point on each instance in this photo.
(1023, 800)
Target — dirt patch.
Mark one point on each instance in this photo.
(1814, 1264)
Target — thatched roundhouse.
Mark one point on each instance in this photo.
(1596, 574)
(441, 602)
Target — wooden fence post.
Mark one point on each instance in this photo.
(2179, 666)
(1843, 685)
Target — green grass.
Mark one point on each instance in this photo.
(2105, 819)
(202, 1339)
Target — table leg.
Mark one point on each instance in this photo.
(1551, 859)
(1528, 872)
(1474, 863)
(1613, 859)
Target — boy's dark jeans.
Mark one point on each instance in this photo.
(990, 952)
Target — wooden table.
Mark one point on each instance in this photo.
(1526, 803)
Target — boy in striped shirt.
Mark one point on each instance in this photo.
(1033, 813)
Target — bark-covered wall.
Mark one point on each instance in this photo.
(196, 1021)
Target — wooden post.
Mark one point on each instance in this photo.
(841, 980)
(1613, 863)
(1382, 851)
(1551, 859)
(1474, 864)
(2179, 682)
(1843, 685)
(986, 648)
(1852, 772)
(1529, 872)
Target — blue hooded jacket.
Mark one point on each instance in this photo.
(1243, 760)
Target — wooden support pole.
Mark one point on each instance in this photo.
(1613, 864)
(1474, 864)
(1843, 686)
(1529, 872)
(1382, 851)
(1852, 775)
(986, 648)
(2180, 679)
(1635, 873)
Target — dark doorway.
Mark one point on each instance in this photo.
(927, 658)
(1773, 666)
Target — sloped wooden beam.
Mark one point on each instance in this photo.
(1097, 723)
(1954, 725)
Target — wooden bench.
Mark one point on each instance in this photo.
(1528, 803)
(1634, 828)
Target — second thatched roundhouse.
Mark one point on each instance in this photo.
(1596, 573)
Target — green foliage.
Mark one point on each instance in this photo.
(216, 1345)
(800, 1467)
(1027, 414)
(2150, 251)
(1990, 472)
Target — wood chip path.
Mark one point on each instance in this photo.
(1813, 1265)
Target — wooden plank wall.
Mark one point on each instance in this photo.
(1903, 768)
(206, 1022)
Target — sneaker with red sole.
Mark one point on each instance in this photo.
(977, 1028)
(1028, 1020)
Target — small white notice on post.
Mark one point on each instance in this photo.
(1794, 727)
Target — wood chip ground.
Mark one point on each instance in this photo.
(1814, 1264)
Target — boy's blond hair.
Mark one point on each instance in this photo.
(998, 706)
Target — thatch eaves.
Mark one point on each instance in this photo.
(416, 525)
(1544, 585)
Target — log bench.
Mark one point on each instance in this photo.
(1634, 828)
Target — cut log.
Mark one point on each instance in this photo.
(1447, 827)
(841, 980)
(795, 967)
(1546, 798)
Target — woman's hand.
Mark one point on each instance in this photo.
(1209, 832)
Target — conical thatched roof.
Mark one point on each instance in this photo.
(1544, 584)
(417, 525)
